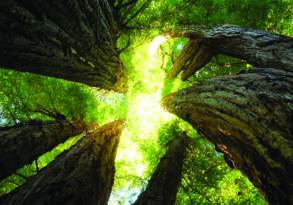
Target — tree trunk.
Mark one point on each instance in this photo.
(249, 118)
(73, 40)
(163, 185)
(259, 48)
(82, 175)
(20, 145)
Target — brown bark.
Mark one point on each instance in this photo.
(259, 48)
(82, 175)
(163, 185)
(20, 145)
(73, 40)
(249, 118)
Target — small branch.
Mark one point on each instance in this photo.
(143, 6)
(195, 190)
(37, 166)
(187, 191)
(126, 46)
(120, 5)
(163, 57)
(21, 175)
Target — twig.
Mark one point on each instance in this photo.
(37, 166)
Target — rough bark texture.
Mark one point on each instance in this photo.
(249, 118)
(73, 40)
(82, 175)
(163, 185)
(20, 145)
(259, 48)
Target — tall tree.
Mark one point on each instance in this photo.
(21, 144)
(74, 40)
(246, 116)
(82, 175)
(163, 185)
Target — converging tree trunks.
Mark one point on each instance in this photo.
(67, 66)
(82, 175)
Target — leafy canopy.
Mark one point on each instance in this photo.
(148, 60)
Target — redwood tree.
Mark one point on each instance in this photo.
(74, 40)
(257, 47)
(247, 116)
(21, 144)
(163, 185)
(82, 175)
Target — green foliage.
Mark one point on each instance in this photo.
(208, 180)
(168, 131)
(28, 96)
(148, 60)
(139, 151)
(109, 106)
(272, 15)
(148, 132)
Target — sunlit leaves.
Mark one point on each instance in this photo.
(272, 15)
(28, 96)
(139, 151)
(206, 179)
(149, 129)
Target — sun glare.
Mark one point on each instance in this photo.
(145, 114)
(154, 45)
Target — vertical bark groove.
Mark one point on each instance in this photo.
(73, 40)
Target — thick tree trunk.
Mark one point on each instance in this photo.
(249, 118)
(82, 175)
(73, 40)
(20, 145)
(163, 185)
(259, 48)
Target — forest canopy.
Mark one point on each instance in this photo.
(141, 42)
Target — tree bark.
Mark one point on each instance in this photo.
(249, 118)
(73, 40)
(20, 145)
(82, 175)
(163, 185)
(259, 48)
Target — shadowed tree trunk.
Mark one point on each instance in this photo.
(73, 40)
(249, 118)
(163, 185)
(82, 175)
(259, 48)
(20, 145)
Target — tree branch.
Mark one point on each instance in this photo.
(143, 6)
